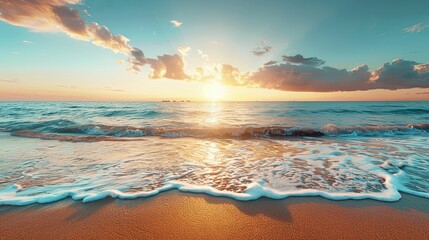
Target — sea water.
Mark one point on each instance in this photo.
(242, 150)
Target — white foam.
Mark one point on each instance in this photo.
(358, 168)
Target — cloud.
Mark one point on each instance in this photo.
(401, 74)
(203, 55)
(137, 59)
(102, 89)
(270, 63)
(176, 23)
(68, 86)
(398, 74)
(423, 93)
(101, 36)
(299, 59)
(305, 78)
(421, 68)
(259, 51)
(9, 80)
(231, 75)
(27, 42)
(113, 89)
(419, 27)
(168, 66)
(87, 13)
(57, 16)
(217, 43)
(296, 73)
(184, 50)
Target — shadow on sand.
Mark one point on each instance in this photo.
(275, 209)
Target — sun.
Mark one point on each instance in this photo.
(214, 91)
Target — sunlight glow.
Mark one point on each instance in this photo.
(214, 91)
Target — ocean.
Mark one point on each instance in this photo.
(243, 150)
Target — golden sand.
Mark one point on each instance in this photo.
(176, 215)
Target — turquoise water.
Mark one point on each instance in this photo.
(243, 150)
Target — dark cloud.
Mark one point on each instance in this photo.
(304, 78)
(401, 74)
(70, 19)
(398, 74)
(259, 51)
(270, 63)
(299, 59)
(137, 59)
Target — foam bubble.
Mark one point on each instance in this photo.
(350, 168)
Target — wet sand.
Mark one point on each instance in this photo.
(176, 215)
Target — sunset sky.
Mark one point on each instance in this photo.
(214, 50)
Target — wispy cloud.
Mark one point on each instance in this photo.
(102, 89)
(27, 42)
(381, 34)
(416, 28)
(176, 23)
(87, 13)
(423, 93)
(9, 80)
(184, 50)
(261, 50)
(203, 55)
(113, 89)
(68, 86)
(217, 43)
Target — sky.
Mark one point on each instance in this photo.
(129, 50)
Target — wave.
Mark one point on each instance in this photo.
(253, 191)
(410, 111)
(68, 131)
(67, 138)
(410, 129)
(116, 113)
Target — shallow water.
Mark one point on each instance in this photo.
(88, 151)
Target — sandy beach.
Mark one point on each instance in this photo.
(176, 215)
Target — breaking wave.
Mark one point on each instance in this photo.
(65, 130)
